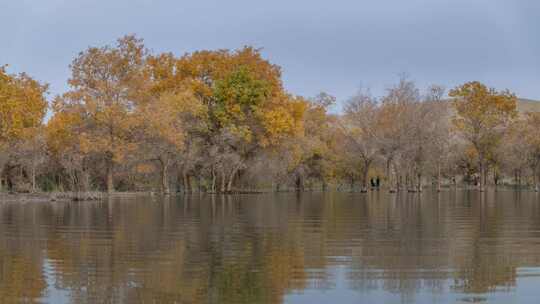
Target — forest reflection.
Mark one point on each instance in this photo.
(261, 248)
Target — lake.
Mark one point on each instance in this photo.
(452, 247)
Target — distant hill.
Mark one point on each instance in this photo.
(528, 105)
(523, 106)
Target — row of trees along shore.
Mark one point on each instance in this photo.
(221, 121)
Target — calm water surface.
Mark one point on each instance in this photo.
(453, 247)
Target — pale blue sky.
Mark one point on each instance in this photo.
(332, 46)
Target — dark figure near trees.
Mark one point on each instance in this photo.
(373, 185)
(378, 183)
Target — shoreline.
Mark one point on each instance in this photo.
(12, 197)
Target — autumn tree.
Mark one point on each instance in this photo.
(508, 157)
(482, 116)
(32, 154)
(22, 110)
(361, 129)
(105, 86)
(247, 108)
(532, 145)
(404, 128)
(316, 145)
(63, 134)
(396, 123)
(437, 138)
(521, 149)
(161, 129)
(216, 119)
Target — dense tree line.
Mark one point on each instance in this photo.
(221, 121)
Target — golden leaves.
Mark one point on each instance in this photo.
(107, 83)
(60, 131)
(284, 118)
(241, 91)
(480, 107)
(124, 101)
(483, 114)
(163, 121)
(22, 106)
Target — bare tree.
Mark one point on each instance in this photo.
(360, 126)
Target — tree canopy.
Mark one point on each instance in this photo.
(222, 121)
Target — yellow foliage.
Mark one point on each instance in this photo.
(22, 106)
(106, 85)
(240, 91)
(283, 119)
(145, 168)
(482, 109)
(482, 115)
(60, 131)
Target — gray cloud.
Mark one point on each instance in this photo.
(321, 45)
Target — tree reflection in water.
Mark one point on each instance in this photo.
(260, 248)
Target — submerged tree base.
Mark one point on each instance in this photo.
(237, 192)
(76, 196)
(14, 197)
(50, 197)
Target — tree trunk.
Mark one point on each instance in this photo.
(2, 179)
(398, 179)
(299, 184)
(164, 176)
(537, 183)
(536, 179)
(438, 177)
(213, 187)
(199, 183)
(179, 180)
(33, 177)
(392, 178)
(482, 180)
(365, 172)
(189, 184)
(389, 175)
(496, 179)
(223, 181)
(110, 177)
(85, 183)
(186, 181)
(231, 178)
(408, 181)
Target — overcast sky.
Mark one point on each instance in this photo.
(332, 46)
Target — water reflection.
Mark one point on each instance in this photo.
(313, 248)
